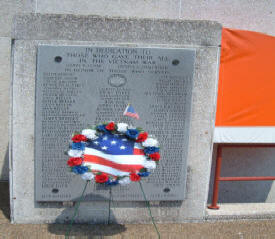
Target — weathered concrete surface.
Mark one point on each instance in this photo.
(123, 30)
(245, 229)
(5, 46)
(163, 33)
(251, 15)
(9, 8)
(122, 8)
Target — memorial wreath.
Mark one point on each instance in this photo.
(113, 153)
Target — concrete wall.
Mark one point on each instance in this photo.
(204, 36)
(256, 15)
(8, 8)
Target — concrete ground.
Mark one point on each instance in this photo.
(241, 229)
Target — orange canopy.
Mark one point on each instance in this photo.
(246, 94)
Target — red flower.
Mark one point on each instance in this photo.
(101, 178)
(110, 126)
(78, 138)
(155, 156)
(74, 161)
(142, 137)
(134, 177)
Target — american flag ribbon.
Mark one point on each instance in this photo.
(114, 154)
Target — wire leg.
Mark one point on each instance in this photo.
(149, 209)
(75, 211)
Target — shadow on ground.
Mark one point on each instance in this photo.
(93, 216)
(83, 229)
(87, 230)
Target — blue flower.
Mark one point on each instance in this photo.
(102, 128)
(80, 169)
(132, 133)
(78, 146)
(144, 174)
(151, 150)
(111, 183)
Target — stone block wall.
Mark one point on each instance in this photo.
(255, 15)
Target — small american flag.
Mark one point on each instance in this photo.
(114, 154)
(129, 111)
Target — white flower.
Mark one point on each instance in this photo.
(150, 164)
(75, 153)
(150, 142)
(124, 181)
(122, 127)
(87, 176)
(90, 133)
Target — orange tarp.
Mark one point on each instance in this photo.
(246, 93)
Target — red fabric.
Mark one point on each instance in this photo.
(246, 93)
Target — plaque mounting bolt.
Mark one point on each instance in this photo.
(175, 62)
(58, 59)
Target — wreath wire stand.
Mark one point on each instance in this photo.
(147, 203)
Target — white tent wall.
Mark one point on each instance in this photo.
(255, 15)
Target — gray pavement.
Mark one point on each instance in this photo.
(241, 229)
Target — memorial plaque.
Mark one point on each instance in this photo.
(79, 86)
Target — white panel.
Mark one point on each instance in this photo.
(244, 135)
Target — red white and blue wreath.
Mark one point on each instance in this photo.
(113, 154)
